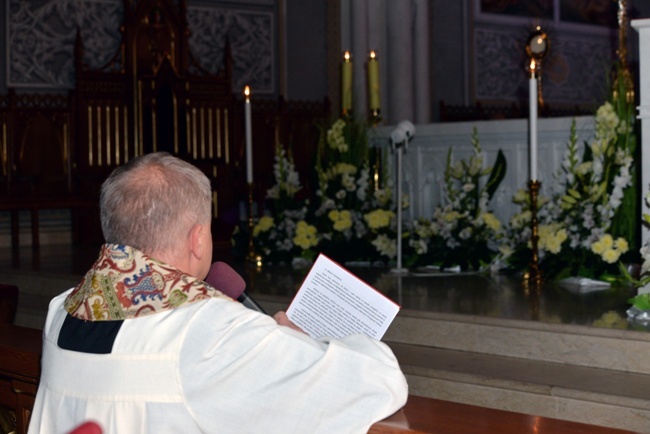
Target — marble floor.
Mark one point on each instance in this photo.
(496, 296)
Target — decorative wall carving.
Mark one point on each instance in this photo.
(251, 40)
(41, 36)
(568, 73)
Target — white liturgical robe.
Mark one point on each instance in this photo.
(215, 367)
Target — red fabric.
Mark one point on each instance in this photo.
(87, 428)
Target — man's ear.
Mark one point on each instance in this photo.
(196, 241)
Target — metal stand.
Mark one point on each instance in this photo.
(399, 140)
(398, 268)
(252, 257)
(534, 273)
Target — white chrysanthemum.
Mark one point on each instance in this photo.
(385, 245)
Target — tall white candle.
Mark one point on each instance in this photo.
(532, 92)
(249, 136)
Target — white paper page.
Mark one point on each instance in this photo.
(333, 302)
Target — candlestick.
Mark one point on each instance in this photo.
(534, 273)
(252, 257)
(373, 84)
(249, 136)
(346, 83)
(532, 92)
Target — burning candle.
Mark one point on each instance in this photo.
(373, 82)
(249, 136)
(532, 106)
(346, 83)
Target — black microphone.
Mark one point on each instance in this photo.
(225, 279)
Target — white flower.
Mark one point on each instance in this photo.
(385, 245)
(645, 254)
(468, 187)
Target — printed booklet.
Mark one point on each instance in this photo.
(333, 302)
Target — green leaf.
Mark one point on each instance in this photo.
(497, 175)
(641, 301)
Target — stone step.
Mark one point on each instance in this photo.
(584, 374)
(596, 347)
(596, 396)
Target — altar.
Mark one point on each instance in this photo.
(488, 340)
(425, 157)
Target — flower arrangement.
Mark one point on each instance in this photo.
(349, 220)
(355, 219)
(285, 235)
(463, 231)
(575, 237)
(623, 137)
(641, 302)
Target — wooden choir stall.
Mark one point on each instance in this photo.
(152, 95)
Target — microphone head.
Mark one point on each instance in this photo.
(224, 278)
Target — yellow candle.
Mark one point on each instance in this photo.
(373, 82)
(346, 83)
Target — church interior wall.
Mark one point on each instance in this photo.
(450, 52)
(295, 48)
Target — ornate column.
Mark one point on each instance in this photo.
(399, 58)
(358, 40)
(421, 70)
(643, 27)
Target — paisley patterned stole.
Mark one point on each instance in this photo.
(125, 283)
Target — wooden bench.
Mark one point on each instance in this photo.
(34, 206)
(20, 353)
(20, 366)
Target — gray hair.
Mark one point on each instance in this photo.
(153, 201)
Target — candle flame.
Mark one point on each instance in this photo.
(373, 55)
(532, 65)
(247, 92)
(347, 56)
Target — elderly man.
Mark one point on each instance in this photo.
(144, 345)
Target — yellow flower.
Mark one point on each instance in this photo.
(611, 319)
(491, 221)
(519, 221)
(520, 196)
(378, 218)
(611, 256)
(451, 216)
(264, 224)
(551, 237)
(621, 245)
(598, 247)
(344, 168)
(608, 241)
(306, 235)
(553, 245)
(506, 250)
(342, 219)
(584, 168)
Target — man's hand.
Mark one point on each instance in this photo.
(282, 319)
